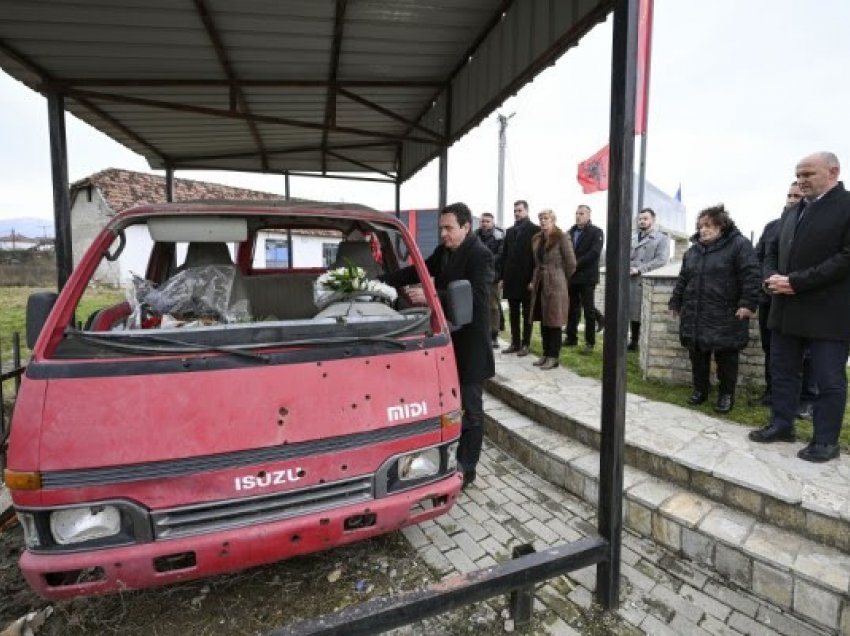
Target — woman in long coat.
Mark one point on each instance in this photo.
(554, 264)
(716, 294)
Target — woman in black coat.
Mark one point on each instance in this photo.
(716, 294)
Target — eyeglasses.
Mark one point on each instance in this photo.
(795, 196)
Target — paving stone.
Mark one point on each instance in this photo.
(641, 582)
(824, 566)
(581, 597)
(747, 625)
(730, 563)
(726, 525)
(559, 628)
(777, 547)
(632, 613)
(667, 532)
(415, 536)
(652, 493)
(773, 584)
(716, 627)
(517, 512)
(498, 532)
(513, 495)
(738, 601)
(785, 624)
(448, 524)
(686, 509)
(486, 562)
(435, 559)
(683, 569)
(473, 528)
(537, 511)
(557, 601)
(543, 533)
(520, 532)
(638, 517)
(585, 577)
(680, 605)
(711, 605)
(697, 547)
(470, 547)
(845, 620)
(816, 603)
(682, 625)
(564, 531)
(439, 538)
(460, 561)
(651, 625)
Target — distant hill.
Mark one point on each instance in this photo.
(29, 226)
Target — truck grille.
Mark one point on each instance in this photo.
(222, 515)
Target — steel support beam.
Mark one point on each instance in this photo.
(444, 151)
(620, 175)
(169, 184)
(61, 191)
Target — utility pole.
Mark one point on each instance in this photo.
(500, 205)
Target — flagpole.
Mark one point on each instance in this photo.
(645, 36)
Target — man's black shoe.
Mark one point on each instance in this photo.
(570, 343)
(522, 352)
(772, 433)
(818, 453)
(806, 411)
(725, 402)
(512, 349)
(698, 397)
(468, 478)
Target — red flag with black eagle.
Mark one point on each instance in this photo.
(593, 172)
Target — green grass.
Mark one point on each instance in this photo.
(743, 413)
(13, 314)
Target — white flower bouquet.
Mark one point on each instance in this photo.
(349, 283)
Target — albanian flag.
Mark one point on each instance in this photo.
(593, 172)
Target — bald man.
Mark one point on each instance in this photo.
(807, 269)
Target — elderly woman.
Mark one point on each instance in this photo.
(716, 294)
(554, 263)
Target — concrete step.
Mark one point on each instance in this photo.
(800, 576)
(706, 455)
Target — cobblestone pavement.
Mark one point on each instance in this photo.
(661, 593)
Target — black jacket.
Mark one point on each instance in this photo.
(588, 250)
(471, 261)
(715, 280)
(517, 260)
(816, 257)
(768, 235)
(494, 240)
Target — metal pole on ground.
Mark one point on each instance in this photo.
(623, 82)
(61, 193)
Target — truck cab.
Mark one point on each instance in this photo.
(258, 394)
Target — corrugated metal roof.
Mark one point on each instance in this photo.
(319, 86)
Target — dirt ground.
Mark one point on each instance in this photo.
(254, 601)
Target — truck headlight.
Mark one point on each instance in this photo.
(76, 525)
(421, 464)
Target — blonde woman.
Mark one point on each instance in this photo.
(554, 264)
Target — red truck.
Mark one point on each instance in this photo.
(236, 409)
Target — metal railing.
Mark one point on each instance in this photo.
(12, 373)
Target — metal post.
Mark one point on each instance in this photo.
(500, 205)
(623, 81)
(397, 199)
(16, 358)
(169, 184)
(641, 174)
(444, 151)
(286, 185)
(522, 599)
(61, 193)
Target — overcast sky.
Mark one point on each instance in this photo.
(740, 91)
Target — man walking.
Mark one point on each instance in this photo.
(493, 239)
(461, 256)
(808, 274)
(516, 270)
(587, 243)
(650, 250)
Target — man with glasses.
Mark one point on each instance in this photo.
(515, 272)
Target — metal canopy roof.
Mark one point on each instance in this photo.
(319, 86)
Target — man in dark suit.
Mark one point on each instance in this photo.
(515, 273)
(493, 238)
(808, 273)
(587, 243)
(462, 256)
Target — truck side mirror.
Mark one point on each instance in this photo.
(458, 303)
(39, 306)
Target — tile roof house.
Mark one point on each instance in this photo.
(97, 198)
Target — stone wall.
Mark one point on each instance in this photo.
(662, 357)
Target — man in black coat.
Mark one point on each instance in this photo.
(587, 243)
(493, 238)
(809, 390)
(515, 273)
(461, 256)
(808, 273)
